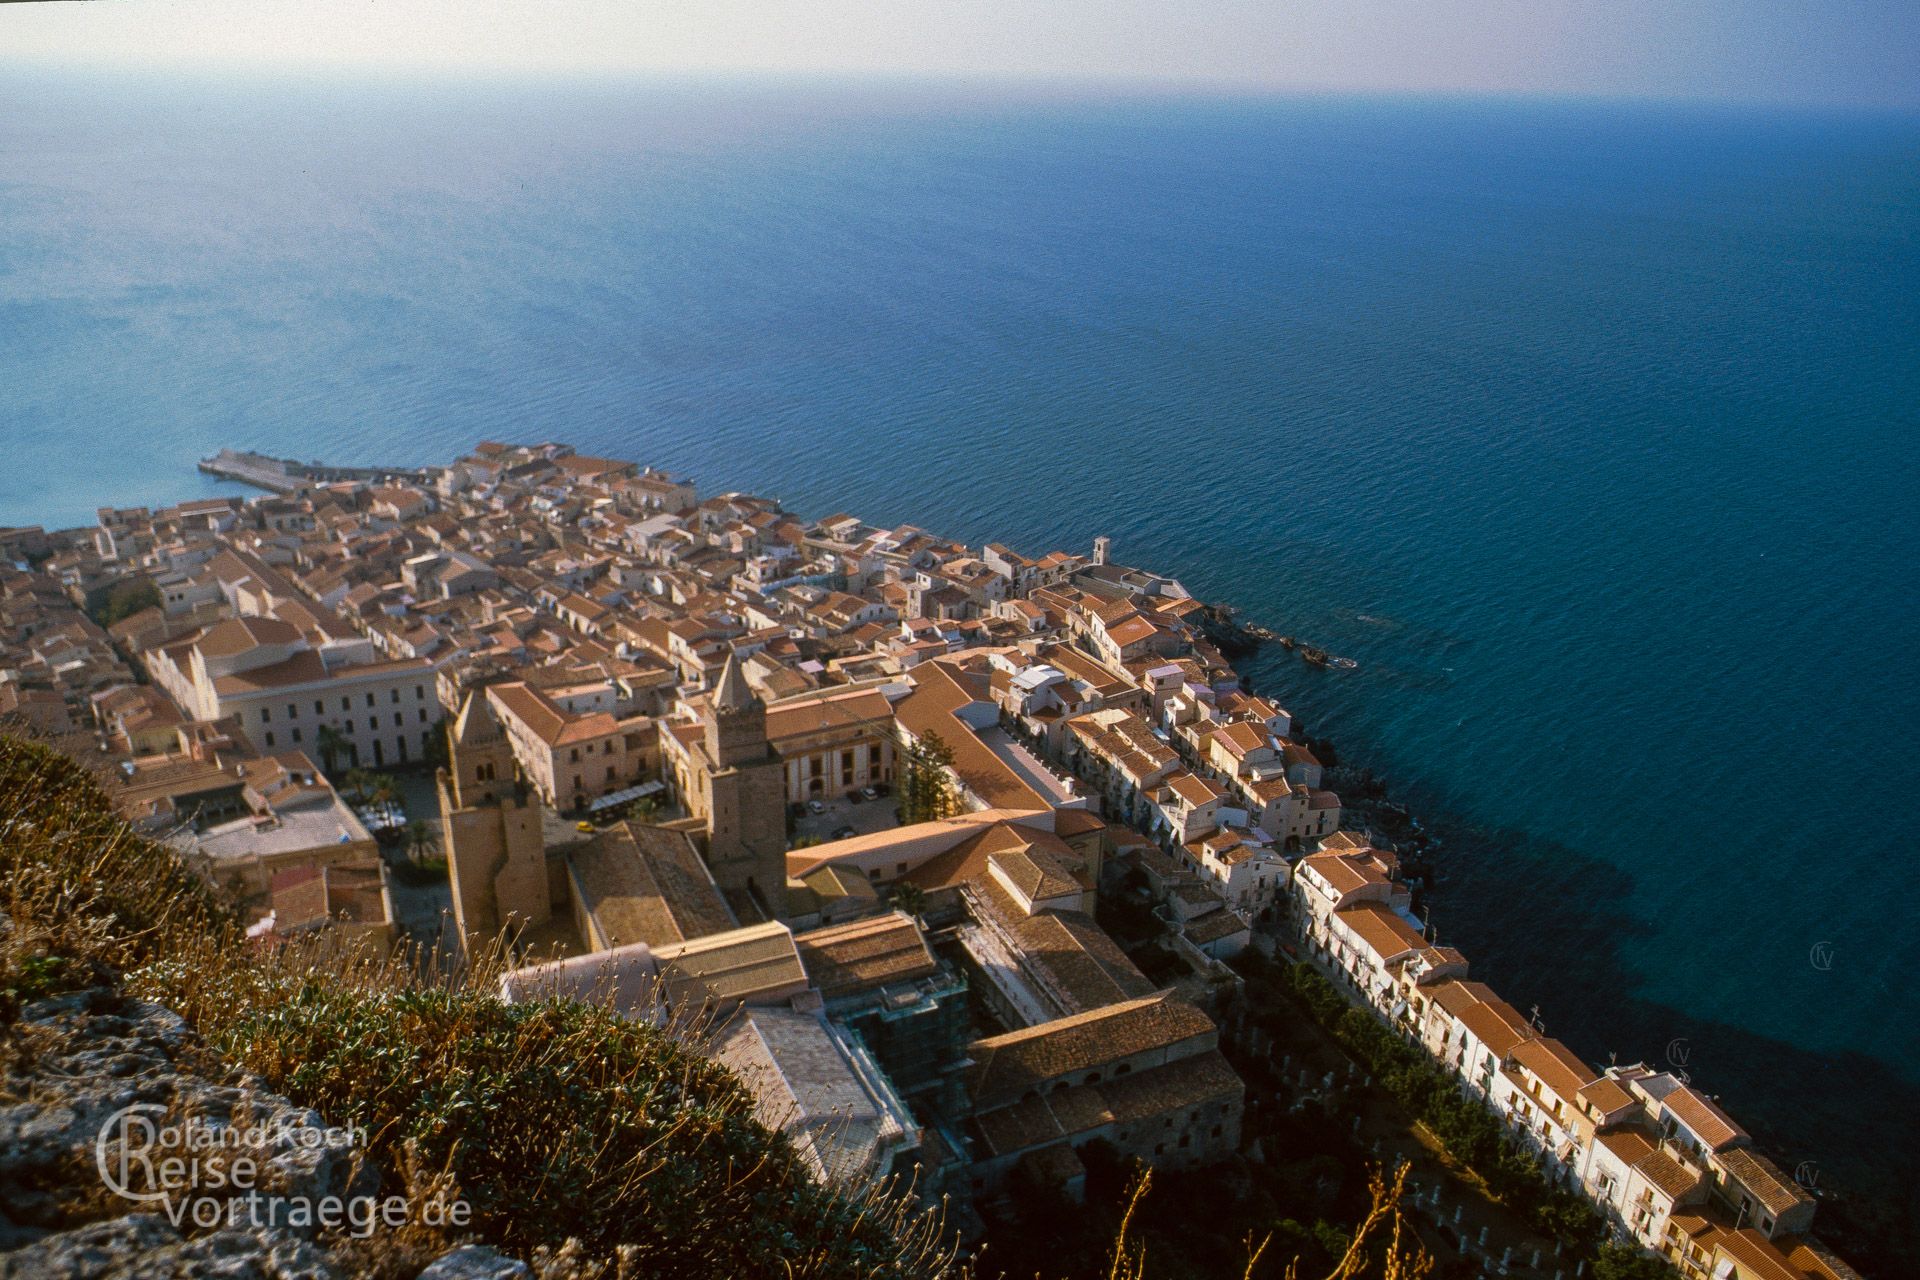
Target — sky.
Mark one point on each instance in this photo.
(1836, 52)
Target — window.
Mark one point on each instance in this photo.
(423, 715)
(296, 735)
(419, 693)
(266, 716)
(573, 756)
(346, 703)
(373, 722)
(395, 691)
(349, 726)
(319, 708)
(293, 712)
(269, 739)
(369, 697)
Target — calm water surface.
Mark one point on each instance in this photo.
(1589, 430)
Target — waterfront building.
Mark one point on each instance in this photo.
(944, 986)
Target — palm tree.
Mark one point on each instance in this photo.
(383, 793)
(422, 841)
(332, 744)
(437, 753)
(910, 898)
(359, 783)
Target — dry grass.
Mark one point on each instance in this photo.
(592, 1145)
(555, 1120)
(1380, 1246)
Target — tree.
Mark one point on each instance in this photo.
(438, 753)
(358, 784)
(332, 744)
(382, 789)
(910, 898)
(926, 789)
(126, 598)
(422, 841)
(1615, 1261)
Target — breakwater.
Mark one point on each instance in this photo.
(286, 476)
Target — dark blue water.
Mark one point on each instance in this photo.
(1590, 430)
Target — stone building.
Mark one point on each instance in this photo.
(496, 853)
(736, 786)
(1145, 1075)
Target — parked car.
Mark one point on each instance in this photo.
(881, 789)
(815, 806)
(583, 825)
(870, 793)
(844, 833)
(856, 796)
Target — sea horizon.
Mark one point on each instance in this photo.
(1586, 428)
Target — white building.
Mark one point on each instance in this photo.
(284, 690)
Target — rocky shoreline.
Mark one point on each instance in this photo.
(1361, 791)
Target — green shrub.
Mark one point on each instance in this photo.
(553, 1120)
(1470, 1131)
(1614, 1261)
(562, 1115)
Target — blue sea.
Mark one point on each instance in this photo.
(1589, 429)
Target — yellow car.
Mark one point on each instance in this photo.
(583, 825)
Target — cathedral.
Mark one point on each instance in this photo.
(631, 881)
(490, 824)
(739, 791)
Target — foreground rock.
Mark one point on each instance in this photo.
(74, 1067)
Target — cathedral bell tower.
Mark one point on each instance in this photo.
(747, 793)
(496, 854)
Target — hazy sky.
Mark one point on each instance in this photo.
(1837, 51)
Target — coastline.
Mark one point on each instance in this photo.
(1786, 1093)
(1396, 815)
